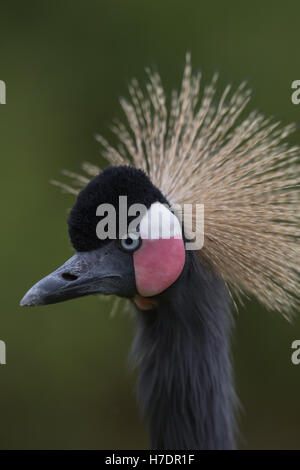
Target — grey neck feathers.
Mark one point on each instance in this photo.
(182, 348)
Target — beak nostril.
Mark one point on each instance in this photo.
(69, 276)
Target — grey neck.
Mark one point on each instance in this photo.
(185, 387)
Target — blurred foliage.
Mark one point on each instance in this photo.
(65, 63)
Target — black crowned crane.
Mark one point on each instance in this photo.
(195, 150)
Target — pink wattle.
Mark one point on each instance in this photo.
(157, 264)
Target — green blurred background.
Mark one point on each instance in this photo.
(65, 63)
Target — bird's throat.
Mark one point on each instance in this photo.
(185, 377)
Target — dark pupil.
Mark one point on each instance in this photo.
(129, 241)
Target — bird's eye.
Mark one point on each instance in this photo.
(130, 243)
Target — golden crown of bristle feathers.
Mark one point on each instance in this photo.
(243, 172)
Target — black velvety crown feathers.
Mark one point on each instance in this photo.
(106, 188)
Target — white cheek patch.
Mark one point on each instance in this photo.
(160, 223)
(160, 259)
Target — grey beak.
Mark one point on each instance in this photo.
(104, 271)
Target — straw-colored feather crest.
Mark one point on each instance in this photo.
(198, 151)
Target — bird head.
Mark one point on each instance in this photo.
(136, 258)
(199, 151)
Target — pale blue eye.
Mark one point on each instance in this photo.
(130, 243)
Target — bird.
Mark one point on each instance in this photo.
(194, 147)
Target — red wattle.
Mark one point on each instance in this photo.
(157, 264)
